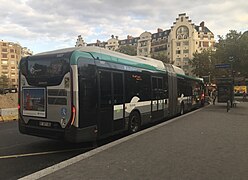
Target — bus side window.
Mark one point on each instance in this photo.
(105, 89)
(118, 88)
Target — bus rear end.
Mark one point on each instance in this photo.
(46, 106)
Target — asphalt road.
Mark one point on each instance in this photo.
(210, 144)
(21, 155)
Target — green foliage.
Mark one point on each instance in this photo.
(128, 49)
(4, 82)
(201, 63)
(161, 55)
(233, 49)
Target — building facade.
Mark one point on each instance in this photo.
(11, 54)
(113, 43)
(185, 39)
(176, 45)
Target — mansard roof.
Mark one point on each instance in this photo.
(129, 41)
(161, 34)
(205, 29)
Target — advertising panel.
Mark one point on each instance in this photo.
(34, 102)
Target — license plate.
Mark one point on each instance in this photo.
(45, 124)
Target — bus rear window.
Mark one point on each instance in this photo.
(45, 69)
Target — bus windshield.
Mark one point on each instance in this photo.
(45, 69)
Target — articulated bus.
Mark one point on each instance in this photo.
(88, 93)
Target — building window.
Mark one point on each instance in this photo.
(178, 52)
(183, 30)
(4, 50)
(185, 60)
(12, 50)
(185, 51)
(4, 44)
(178, 59)
(4, 55)
(4, 67)
(185, 43)
(12, 56)
(178, 43)
(179, 37)
(205, 44)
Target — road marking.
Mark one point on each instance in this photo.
(38, 153)
(63, 164)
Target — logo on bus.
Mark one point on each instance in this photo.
(63, 111)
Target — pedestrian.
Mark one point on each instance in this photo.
(244, 96)
(214, 96)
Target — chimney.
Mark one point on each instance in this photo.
(129, 37)
(112, 36)
(116, 37)
(159, 30)
(202, 24)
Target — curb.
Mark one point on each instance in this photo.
(4, 119)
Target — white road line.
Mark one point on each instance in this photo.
(61, 165)
(36, 154)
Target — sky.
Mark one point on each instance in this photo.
(44, 25)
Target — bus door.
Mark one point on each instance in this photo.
(157, 107)
(111, 93)
(172, 84)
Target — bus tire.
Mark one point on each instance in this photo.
(182, 109)
(134, 122)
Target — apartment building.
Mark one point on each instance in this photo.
(185, 39)
(11, 54)
(178, 43)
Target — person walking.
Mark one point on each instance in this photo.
(214, 94)
(244, 96)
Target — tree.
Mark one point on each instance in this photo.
(202, 63)
(128, 49)
(233, 49)
(4, 81)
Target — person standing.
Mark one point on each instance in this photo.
(214, 95)
(244, 96)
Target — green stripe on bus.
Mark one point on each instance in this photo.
(108, 58)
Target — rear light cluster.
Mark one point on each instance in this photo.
(73, 115)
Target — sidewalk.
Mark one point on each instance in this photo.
(206, 144)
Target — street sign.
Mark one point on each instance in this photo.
(223, 66)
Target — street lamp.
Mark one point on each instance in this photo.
(231, 60)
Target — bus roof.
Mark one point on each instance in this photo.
(116, 57)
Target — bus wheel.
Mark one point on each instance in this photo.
(134, 122)
(182, 109)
